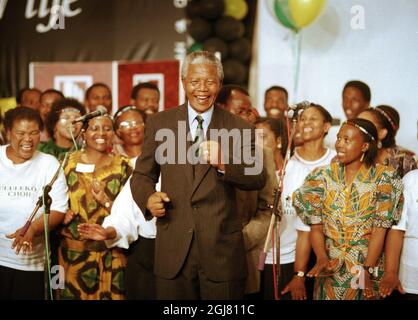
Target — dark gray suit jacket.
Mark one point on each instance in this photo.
(203, 206)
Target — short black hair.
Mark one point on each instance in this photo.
(22, 113)
(362, 87)
(371, 154)
(95, 85)
(226, 90)
(53, 91)
(276, 88)
(143, 85)
(54, 115)
(22, 92)
(279, 129)
(324, 112)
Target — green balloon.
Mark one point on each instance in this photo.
(197, 46)
(281, 9)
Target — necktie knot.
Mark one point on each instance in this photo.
(199, 120)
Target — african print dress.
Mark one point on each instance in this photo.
(401, 160)
(92, 272)
(348, 214)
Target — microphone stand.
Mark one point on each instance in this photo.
(276, 216)
(45, 201)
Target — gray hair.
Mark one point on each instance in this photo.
(202, 57)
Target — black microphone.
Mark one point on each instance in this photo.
(99, 112)
(295, 110)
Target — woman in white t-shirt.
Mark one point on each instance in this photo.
(408, 266)
(315, 122)
(275, 138)
(24, 173)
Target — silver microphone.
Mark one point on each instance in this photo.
(295, 110)
(101, 110)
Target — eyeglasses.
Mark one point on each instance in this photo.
(130, 124)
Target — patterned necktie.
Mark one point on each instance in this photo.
(199, 135)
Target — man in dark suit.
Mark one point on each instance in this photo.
(199, 251)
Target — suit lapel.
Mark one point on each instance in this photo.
(187, 169)
(202, 169)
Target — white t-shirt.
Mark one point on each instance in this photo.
(20, 187)
(331, 138)
(323, 161)
(293, 179)
(408, 268)
(127, 219)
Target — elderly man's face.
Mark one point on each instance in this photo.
(201, 85)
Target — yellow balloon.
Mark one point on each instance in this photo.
(237, 9)
(304, 12)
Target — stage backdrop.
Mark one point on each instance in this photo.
(73, 79)
(86, 31)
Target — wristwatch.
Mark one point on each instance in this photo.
(371, 270)
(299, 274)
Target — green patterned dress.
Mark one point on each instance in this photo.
(92, 272)
(348, 214)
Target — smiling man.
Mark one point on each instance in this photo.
(199, 252)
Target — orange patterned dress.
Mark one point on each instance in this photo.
(348, 214)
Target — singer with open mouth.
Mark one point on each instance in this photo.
(350, 205)
(24, 173)
(95, 177)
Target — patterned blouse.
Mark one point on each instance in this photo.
(82, 202)
(401, 160)
(348, 213)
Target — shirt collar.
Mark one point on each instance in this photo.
(192, 113)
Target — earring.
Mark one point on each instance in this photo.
(362, 157)
(379, 145)
(83, 145)
(279, 145)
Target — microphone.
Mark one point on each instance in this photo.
(101, 110)
(295, 110)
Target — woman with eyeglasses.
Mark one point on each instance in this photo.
(129, 127)
(350, 205)
(94, 177)
(60, 128)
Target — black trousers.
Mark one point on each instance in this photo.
(139, 277)
(267, 281)
(21, 285)
(192, 283)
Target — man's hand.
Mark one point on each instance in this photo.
(156, 202)
(212, 153)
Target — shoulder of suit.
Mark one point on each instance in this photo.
(164, 116)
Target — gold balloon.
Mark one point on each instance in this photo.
(304, 12)
(236, 8)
